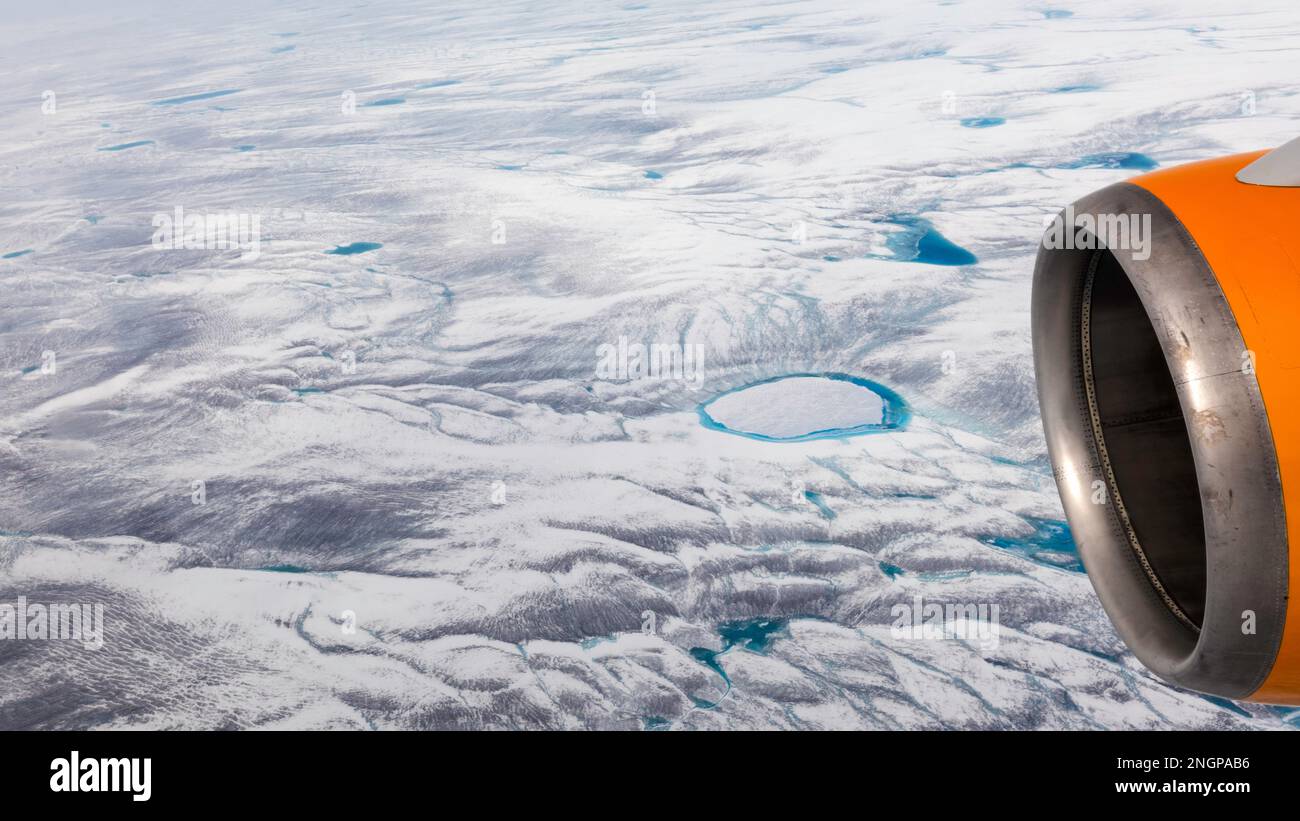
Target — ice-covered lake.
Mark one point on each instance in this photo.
(801, 407)
(433, 454)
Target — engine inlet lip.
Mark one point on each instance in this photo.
(1231, 442)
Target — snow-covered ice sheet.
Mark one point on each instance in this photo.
(368, 476)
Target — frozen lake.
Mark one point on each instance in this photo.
(802, 407)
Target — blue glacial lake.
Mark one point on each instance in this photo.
(919, 241)
(125, 146)
(193, 98)
(1051, 544)
(355, 248)
(753, 635)
(806, 406)
(1131, 160)
(820, 503)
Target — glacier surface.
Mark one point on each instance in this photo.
(368, 477)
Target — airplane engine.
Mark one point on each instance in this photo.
(1166, 331)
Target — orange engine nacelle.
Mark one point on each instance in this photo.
(1168, 371)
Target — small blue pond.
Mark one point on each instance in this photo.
(1113, 159)
(1051, 544)
(754, 635)
(820, 503)
(283, 568)
(125, 146)
(191, 98)
(982, 122)
(353, 248)
(920, 242)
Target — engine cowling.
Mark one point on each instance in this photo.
(1168, 370)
